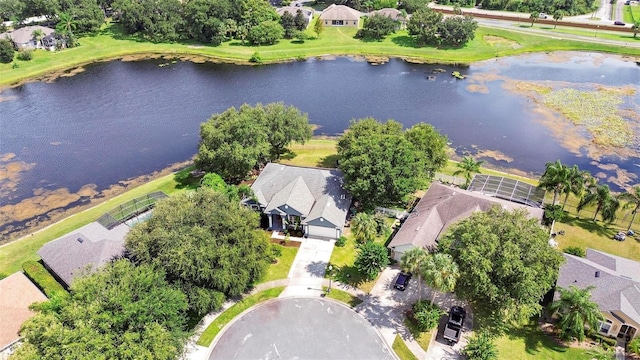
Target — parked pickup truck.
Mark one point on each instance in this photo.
(453, 330)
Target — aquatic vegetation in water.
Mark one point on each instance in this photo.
(597, 111)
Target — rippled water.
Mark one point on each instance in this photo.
(119, 120)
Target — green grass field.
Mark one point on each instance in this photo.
(343, 297)
(111, 43)
(529, 342)
(280, 270)
(221, 321)
(631, 13)
(401, 349)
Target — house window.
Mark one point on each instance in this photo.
(337, 22)
(605, 326)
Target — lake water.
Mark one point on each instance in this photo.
(63, 142)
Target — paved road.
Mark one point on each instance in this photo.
(301, 328)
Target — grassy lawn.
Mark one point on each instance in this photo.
(423, 338)
(402, 350)
(111, 43)
(343, 297)
(529, 342)
(280, 270)
(221, 321)
(314, 153)
(15, 253)
(628, 11)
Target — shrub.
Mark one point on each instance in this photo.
(25, 55)
(43, 279)
(602, 339)
(342, 241)
(480, 347)
(553, 212)
(276, 252)
(256, 58)
(634, 346)
(426, 315)
(575, 250)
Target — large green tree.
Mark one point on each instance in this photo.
(208, 244)
(574, 310)
(423, 26)
(381, 164)
(120, 312)
(237, 141)
(506, 264)
(431, 145)
(377, 27)
(371, 258)
(6, 51)
(457, 30)
(155, 20)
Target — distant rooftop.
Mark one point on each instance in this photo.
(17, 292)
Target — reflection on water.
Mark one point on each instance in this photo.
(119, 120)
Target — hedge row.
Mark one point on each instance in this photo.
(43, 279)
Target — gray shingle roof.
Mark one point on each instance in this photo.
(395, 14)
(615, 290)
(25, 34)
(442, 206)
(312, 191)
(340, 12)
(91, 245)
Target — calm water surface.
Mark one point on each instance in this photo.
(119, 120)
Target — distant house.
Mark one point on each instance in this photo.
(308, 14)
(85, 249)
(23, 38)
(311, 199)
(394, 14)
(17, 292)
(616, 282)
(340, 15)
(440, 207)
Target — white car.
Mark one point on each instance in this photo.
(543, 16)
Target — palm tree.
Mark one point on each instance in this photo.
(65, 26)
(441, 273)
(633, 197)
(555, 178)
(575, 184)
(604, 200)
(364, 227)
(468, 167)
(414, 261)
(37, 34)
(575, 309)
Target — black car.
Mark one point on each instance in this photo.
(619, 23)
(402, 281)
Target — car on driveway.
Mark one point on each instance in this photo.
(402, 281)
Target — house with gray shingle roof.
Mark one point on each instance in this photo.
(310, 199)
(616, 283)
(394, 14)
(440, 207)
(340, 15)
(23, 38)
(83, 250)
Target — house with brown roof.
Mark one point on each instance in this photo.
(310, 199)
(616, 282)
(440, 207)
(86, 249)
(340, 15)
(17, 293)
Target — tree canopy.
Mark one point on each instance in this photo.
(430, 27)
(207, 244)
(506, 264)
(6, 51)
(382, 164)
(377, 27)
(371, 258)
(120, 312)
(237, 141)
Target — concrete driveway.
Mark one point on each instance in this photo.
(308, 268)
(300, 328)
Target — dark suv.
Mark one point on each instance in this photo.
(402, 281)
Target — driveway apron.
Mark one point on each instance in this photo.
(308, 268)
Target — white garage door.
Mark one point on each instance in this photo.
(322, 232)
